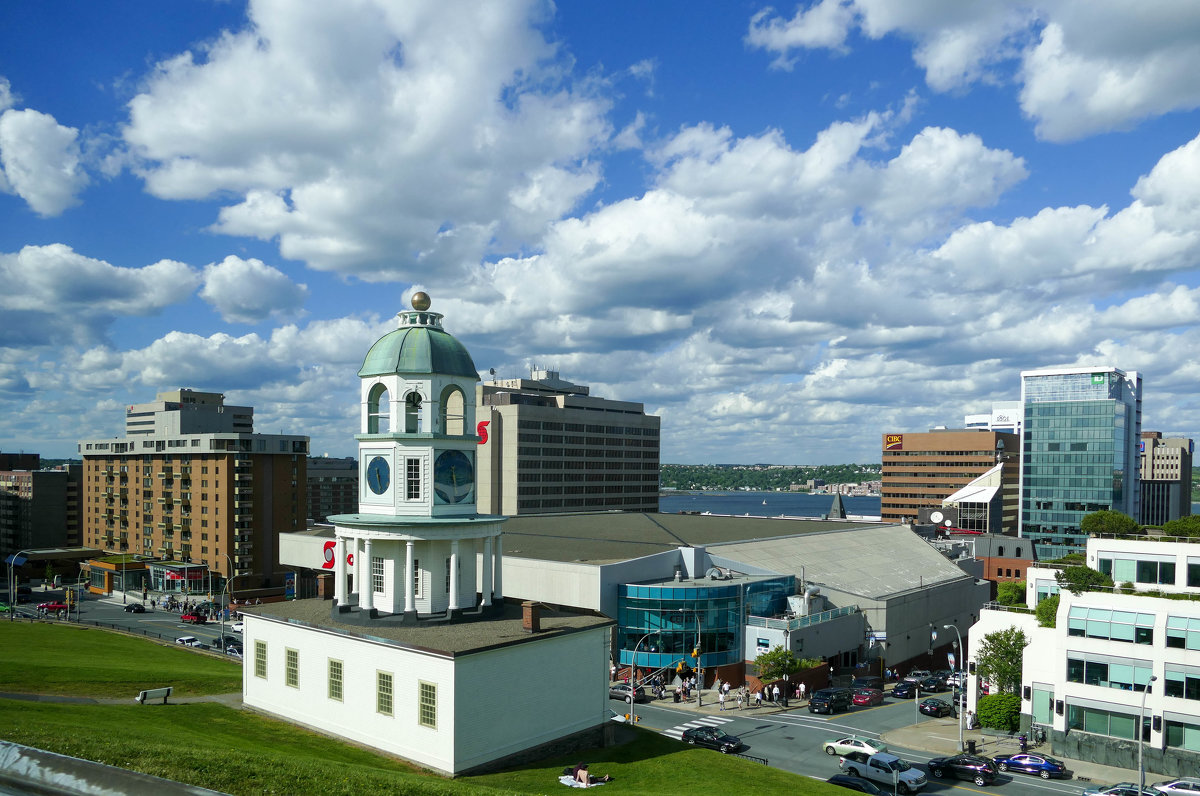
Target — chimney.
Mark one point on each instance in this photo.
(531, 622)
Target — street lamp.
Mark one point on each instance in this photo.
(12, 588)
(698, 656)
(633, 678)
(221, 608)
(962, 662)
(1142, 736)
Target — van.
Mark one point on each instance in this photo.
(830, 700)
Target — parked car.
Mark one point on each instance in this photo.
(944, 675)
(937, 708)
(712, 738)
(5, 607)
(855, 783)
(868, 696)
(1184, 786)
(237, 627)
(844, 746)
(905, 690)
(1120, 789)
(978, 769)
(881, 768)
(917, 675)
(189, 641)
(1042, 765)
(830, 700)
(933, 684)
(867, 682)
(135, 608)
(629, 693)
(193, 619)
(234, 650)
(957, 679)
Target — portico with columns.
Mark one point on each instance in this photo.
(417, 549)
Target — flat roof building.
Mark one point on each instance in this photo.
(1166, 478)
(549, 446)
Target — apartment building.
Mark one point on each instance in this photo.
(1166, 478)
(194, 491)
(547, 445)
(332, 487)
(921, 470)
(39, 508)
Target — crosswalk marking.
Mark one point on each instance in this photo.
(676, 732)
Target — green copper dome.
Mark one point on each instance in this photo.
(419, 346)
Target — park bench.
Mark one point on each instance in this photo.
(153, 693)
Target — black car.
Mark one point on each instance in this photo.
(933, 684)
(831, 700)
(135, 608)
(937, 708)
(905, 690)
(628, 693)
(979, 770)
(712, 738)
(855, 783)
(867, 681)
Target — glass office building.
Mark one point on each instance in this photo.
(1079, 452)
(661, 624)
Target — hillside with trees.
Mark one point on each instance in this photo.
(765, 477)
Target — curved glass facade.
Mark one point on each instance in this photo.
(666, 623)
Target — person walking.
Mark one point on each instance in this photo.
(800, 692)
(775, 694)
(739, 700)
(721, 699)
(758, 697)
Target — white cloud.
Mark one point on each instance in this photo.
(249, 291)
(40, 161)
(1084, 66)
(54, 294)
(465, 136)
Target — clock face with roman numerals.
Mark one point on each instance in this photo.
(453, 477)
(379, 475)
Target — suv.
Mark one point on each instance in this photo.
(882, 767)
(830, 700)
(917, 675)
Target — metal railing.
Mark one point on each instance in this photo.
(800, 621)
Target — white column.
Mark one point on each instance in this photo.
(409, 579)
(454, 575)
(497, 570)
(339, 571)
(358, 589)
(486, 587)
(366, 591)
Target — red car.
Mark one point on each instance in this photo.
(193, 619)
(51, 608)
(868, 696)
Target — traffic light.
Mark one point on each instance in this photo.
(696, 652)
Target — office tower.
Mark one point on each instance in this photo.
(332, 487)
(1079, 452)
(38, 508)
(922, 469)
(1166, 478)
(1005, 416)
(194, 489)
(548, 446)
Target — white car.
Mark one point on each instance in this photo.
(853, 744)
(1184, 786)
(189, 641)
(236, 627)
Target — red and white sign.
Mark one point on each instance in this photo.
(481, 431)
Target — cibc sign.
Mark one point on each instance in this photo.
(893, 442)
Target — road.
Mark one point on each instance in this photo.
(793, 742)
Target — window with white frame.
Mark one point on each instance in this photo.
(427, 704)
(412, 479)
(292, 668)
(335, 679)
(260, 659)
(383, 693)
(377, 574)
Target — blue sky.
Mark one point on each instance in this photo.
(787, 230)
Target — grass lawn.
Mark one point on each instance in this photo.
(77, 660)
(240, 752)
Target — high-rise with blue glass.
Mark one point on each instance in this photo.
(1079, 451)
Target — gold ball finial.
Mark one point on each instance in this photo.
(420, 301)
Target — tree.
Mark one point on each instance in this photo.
(998, 658)
(1000, 711)
(1113, 522)
(1047, 611)
(775, 663)
(1011, 593)
(1184, 526)
(1077, 580)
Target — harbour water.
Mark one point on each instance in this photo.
(765, 504)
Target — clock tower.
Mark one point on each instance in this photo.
(413, 546)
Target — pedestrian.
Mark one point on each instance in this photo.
(739, 700)
(612, 673)
(758, 698)
(775, 693)
(721, 699)
(800, 691)
(970, 719)
(726, 686)
(887, 675)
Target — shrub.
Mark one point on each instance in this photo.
(1047, 611)
(1011, 593)
(1000, 711)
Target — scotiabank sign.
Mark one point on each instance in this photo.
(893, 442)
